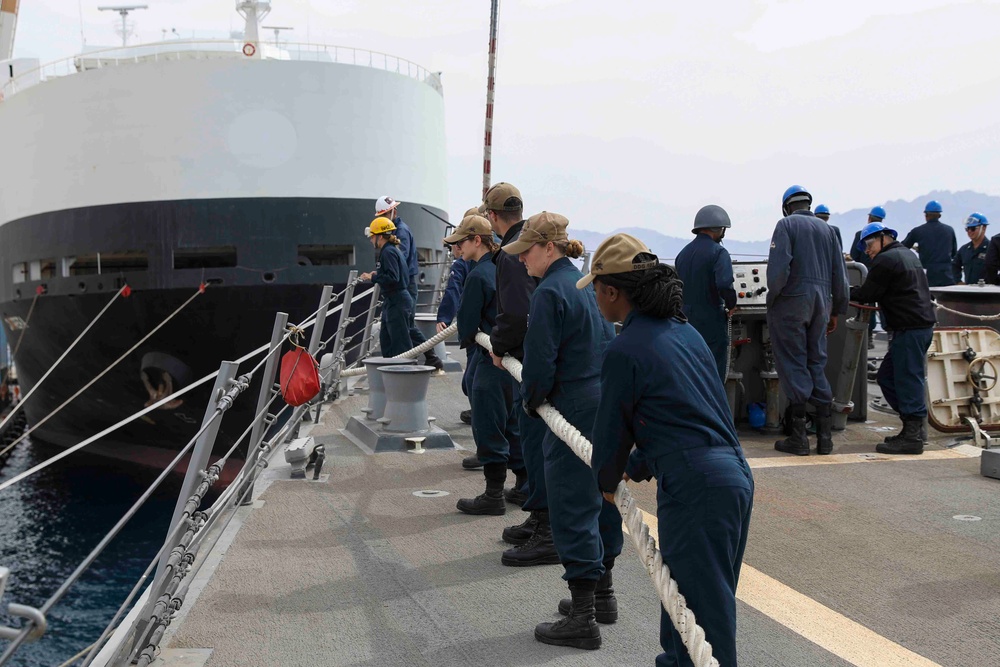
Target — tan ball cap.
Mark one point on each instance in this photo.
(539, 228)
(501, 197)
(472, 211)
(471, 225)
(617, 254)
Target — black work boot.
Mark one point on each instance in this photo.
(538, 550)
(432, 359)
(797, 442)
(923, 434)
(516, 494)
(579, 628)
(466, 416)
(824, 428)
(522, 532)
(605, 602)
(908, 441)
(491, 501)
(472, 463)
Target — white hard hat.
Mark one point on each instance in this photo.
(384, 204)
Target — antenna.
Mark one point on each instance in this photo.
(123, 11)
(277, 29)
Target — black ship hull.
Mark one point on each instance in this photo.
(269, 241)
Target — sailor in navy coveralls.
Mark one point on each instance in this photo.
(661, 393)
(563, 345)
(390, 274)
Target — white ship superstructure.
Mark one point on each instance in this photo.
(251, 167)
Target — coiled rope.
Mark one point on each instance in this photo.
(673, 601)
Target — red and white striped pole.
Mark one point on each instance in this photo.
(490, 87)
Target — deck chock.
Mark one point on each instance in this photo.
(298, 454)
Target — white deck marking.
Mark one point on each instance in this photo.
(760, 462)
(817, 623)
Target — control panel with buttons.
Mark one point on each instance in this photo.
(750, 284)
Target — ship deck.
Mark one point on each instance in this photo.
(852, 559)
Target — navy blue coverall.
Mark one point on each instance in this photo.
(937, 246)
(563, 346)
(706, 270)
(514, 290)
(658, 392)
(491, 389)
(397, 306)
(449, 306)
(840, 240)
(408, 248)
(972, 260)
(804, 268)
(897, 282)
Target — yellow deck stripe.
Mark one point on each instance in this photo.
(760, 462)
(821, 625)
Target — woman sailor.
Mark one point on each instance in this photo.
(660, 390)
(391, 275)
(562, 358)
(491, 389)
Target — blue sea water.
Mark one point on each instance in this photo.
(50, 522)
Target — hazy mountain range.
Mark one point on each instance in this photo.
(900, 215)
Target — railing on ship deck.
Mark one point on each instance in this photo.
(194, 531)
(206, 49)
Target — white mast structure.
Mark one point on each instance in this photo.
(8, 25)
(253, 12)
(123, 11)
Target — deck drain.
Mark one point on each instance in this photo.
(430, 493)
(966, 517)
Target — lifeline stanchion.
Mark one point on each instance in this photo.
(692, 634)
(369, 321)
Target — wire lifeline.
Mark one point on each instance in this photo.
(110, 535)
(692, 634)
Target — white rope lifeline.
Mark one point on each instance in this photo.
(644, 542)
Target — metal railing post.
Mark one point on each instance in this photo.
(338, 343)
(366, 342)
(267, 390)
(201, 452)
(317, 332)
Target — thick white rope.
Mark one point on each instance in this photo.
(644, 542)
(981, 318)
(412, 353)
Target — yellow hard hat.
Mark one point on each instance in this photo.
(380, 226)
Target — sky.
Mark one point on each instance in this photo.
(637, 113)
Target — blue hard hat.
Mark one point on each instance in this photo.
(871, 229)
(975, 220)
(933, 206)
(877, 212)
(822, 208)
(796, 193)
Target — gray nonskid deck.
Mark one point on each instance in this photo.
(355, 570)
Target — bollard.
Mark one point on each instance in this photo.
(376, 389)
(406, 398)
(427, 323)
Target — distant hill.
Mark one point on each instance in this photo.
(900, 215)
